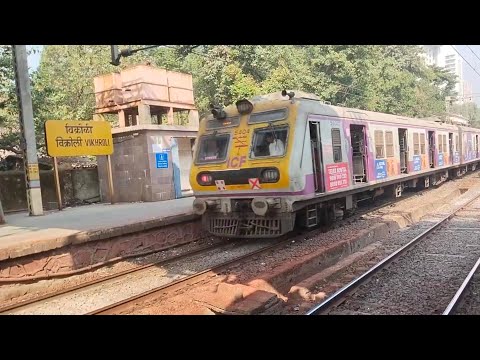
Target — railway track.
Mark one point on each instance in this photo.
(167, 289)
(98, 282)
(346, 294)
(456, 302)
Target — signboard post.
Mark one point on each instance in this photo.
(57, 183)
(110, 178)
(76, 138)
(2, 215)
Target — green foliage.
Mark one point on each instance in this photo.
(469, 111)
(390, 79)
(9, 127)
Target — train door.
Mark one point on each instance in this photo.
(450, 146)
(317, 161)
(431, 148)
(358, 141)
(403, 142)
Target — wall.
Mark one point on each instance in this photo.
(134, 164)
(77, 186)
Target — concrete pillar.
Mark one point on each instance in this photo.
(170, 116)
(121, 118)
(193, 118)
(144, 116)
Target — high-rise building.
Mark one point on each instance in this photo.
(445, 56)
(467, 92)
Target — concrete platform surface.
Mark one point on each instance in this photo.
(24, 235)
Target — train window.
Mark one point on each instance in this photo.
(445, 148)
(457, 141)
(213, 148)
(440, 144)
(389, 143)
(337, 145)
(266, 116)
(422, 144)
(270, 141)
(416, 144)
(379, 144)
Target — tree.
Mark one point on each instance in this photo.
(468, 110)
(9, 125)
(9, 114)
(386, 78)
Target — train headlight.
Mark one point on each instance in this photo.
(270, 175)
(244, 106)
(205, 179)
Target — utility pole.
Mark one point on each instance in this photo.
(27, 140)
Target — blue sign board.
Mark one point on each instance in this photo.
(440, 159)
(417, 163)
(456, 158)
(381, 169)
(162, 160)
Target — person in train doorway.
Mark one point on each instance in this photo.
(275, 147)
(211, 150)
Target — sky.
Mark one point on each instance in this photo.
(34, 59)
(469, 74)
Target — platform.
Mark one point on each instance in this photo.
(24, 235)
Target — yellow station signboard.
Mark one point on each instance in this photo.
(76, 138)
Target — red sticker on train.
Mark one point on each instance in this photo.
(336, 176)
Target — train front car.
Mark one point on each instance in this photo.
(243, 164)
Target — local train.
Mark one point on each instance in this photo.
(265, 164)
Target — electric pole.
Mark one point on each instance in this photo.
(27, 139)
(115, 55)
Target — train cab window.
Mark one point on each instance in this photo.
(271, 141)
(213, 148)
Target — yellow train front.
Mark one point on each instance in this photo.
(240, 175)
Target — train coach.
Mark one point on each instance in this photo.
(265, 164)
